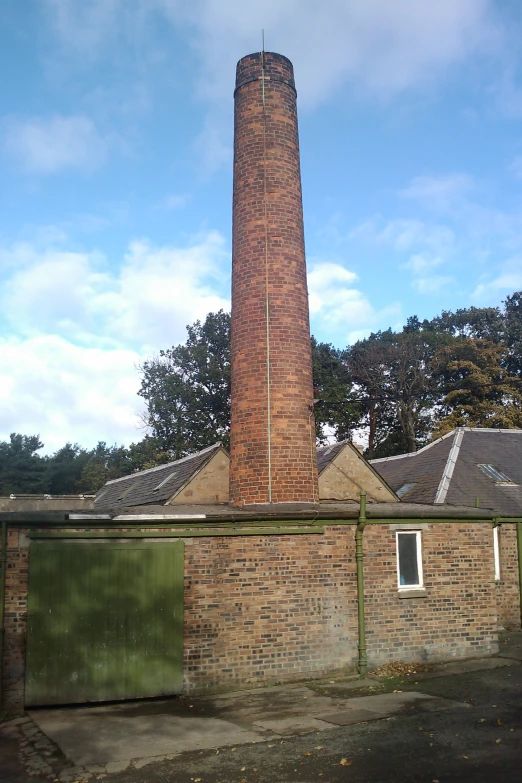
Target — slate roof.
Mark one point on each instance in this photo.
(153, 486)
(446, 471)
(327, 454)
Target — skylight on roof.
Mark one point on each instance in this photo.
(171, 475)
(495, 474)
(405, 488)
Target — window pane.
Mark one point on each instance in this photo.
(408, 568)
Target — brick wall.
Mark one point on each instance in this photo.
(269, 608)
(261, 609)
(276, 608)
(268, 263)
(15, 619)
(458, 616)
(508, 592)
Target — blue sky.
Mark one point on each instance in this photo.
(116, 178)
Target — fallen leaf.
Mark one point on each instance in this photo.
(465, 757)
(270, 746)
(308, 753)
(482, 720)
(233, 749)
(243, 769)
(512, 729)
(320, 747)
(498, 741)
(345, 763)
(500, 722)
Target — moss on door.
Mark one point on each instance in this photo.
(105, 621)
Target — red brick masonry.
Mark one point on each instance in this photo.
(270, 608)
(268, 263)
(508, 594)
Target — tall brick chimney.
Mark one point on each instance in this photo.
(272, 438)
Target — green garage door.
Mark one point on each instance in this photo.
(105, 621)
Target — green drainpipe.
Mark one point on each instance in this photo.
(3, 567)
(362, 667)
(519, 550)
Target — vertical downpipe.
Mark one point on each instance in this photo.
(3, 568)
(362, 666)
(519, 552)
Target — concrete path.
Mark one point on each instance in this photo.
(511, 645)
(109, 738)
(113, 736)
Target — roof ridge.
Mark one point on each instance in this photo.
(336, 443)
(165, 465)
(442, 489)
(420, 451)
(514, 430)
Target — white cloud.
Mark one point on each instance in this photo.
(508, 280)
(212, 150)
(144, 302)
(372, 44)
(432, 284)
(516, 167)
(45, 145)
(85, 26)
(420, 264)
(438, 193)
(68, 393)
(372, 47)
(173, 201)
(338, 310)
(76, 329)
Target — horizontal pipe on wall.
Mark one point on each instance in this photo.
(186, 533)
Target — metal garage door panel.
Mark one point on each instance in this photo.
(105, 621)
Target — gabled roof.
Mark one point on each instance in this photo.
(156, 485)
(447, 470)
(327, 454)
(358, 473)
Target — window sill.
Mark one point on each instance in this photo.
(413, 593)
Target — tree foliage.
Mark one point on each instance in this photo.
(187, 389)
(403, 388)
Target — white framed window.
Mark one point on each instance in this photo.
(496, 552)
(409, 560)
